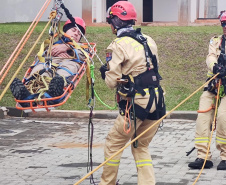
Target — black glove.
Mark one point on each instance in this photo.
(103, 69)
(219, 69)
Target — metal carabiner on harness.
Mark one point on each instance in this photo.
(58, 16)
(48, 63)
(57, 4)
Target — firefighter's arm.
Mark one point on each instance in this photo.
(115, 65)
(213, 53)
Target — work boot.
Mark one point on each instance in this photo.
(56, 86)
(198, 163)
(222, 165)
(19, 91)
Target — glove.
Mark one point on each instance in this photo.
(219, 69)
(103, 69)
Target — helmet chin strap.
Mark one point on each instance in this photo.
(115, 29)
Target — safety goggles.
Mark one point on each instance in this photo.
(223, 24)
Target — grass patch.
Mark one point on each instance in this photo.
(182, 53)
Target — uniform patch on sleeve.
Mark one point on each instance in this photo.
(108, 56)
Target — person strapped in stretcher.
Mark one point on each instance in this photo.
(53, 67)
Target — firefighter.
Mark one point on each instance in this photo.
(216, 63)
(131, 58)
(63, 53)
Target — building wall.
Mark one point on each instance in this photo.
(95, 10)
(98, 13)
(221, 5)
(193, 10)
(87, 11)
(138, 4)
(184, 12)
(211, 8)
(165, 10)
(26, 10)
(201, 9)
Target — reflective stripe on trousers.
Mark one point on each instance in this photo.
(113, 162)
(220, 140)
(202, 140)
(144, 163)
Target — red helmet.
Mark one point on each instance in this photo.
(124, 10)
(79, 21)
(223, 17)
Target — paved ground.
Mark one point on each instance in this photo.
(54, 152)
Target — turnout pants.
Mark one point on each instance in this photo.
(203, 125)
(117, 139)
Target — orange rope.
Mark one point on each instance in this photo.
(207, 110)
(19, 48)
(213, 128)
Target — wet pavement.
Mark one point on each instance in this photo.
(40, 151)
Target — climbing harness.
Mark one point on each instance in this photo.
(145, 83)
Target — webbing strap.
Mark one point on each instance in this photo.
(136, 35)
(223, 45)
(67, 70)
(150, 58)
(41, 51)
(151, 99)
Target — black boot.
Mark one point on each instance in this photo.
(56, 86)
(198, 163)
(19, 91)
(222, 165)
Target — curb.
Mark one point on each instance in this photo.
(99, 114)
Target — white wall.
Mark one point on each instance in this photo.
(165, 10)
(193, 10)
(221, 5)
(98, 10)
(201, 9)
(138, 4)
(26, 10)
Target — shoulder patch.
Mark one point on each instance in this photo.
(214, 39)
(108, 55)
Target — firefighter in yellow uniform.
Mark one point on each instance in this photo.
(132, 56)
(216, 62)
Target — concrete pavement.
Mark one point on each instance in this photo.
(53, 151)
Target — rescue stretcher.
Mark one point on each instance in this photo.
(42, 104)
